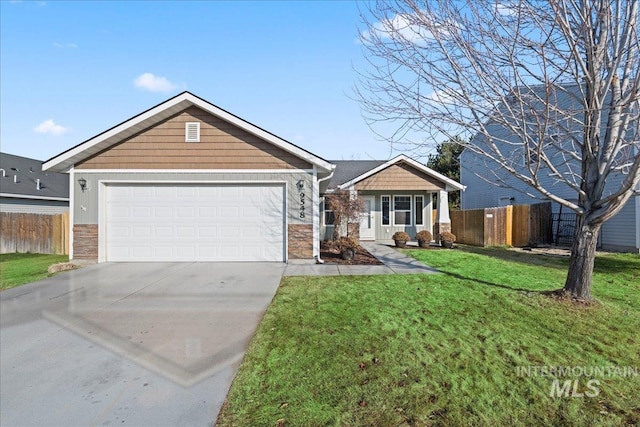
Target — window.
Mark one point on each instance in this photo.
(386, 209)
(419, 208)
(401, 210)
(329, 216)
(192, 131)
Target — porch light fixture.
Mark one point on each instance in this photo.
(300, 185)
(83, 184)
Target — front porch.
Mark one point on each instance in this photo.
(387, 213)
(399, 195)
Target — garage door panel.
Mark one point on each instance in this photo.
(142, 191)
(163, 212)
(194, 223)
(141, 251)
(141, 232)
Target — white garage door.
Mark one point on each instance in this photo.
(194, 222)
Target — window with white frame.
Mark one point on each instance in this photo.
(329, 216)
(386, 210)
(419, 202)
(401, 210)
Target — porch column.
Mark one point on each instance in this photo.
(443, 221)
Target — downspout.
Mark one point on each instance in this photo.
(318, 259)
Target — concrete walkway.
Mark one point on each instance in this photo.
(394, 263)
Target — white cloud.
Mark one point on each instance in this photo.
(506, 9)
(443, 97)
(410, 27)
(153, 83)
(51, 128)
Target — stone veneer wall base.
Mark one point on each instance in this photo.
(300, 239)
(85, 241)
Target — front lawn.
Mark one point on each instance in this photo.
(18, 269)
(458, 348)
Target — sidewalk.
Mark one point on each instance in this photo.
(394, 263)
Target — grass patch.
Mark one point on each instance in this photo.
(18, 269)
(442, 349)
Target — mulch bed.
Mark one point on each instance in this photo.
(331, 256)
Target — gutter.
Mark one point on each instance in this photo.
(318, 259)
(27, 196)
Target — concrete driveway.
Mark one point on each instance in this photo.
(129, 344)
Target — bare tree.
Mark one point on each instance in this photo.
(545, 89)
(347, 209)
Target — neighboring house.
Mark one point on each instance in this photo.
(25, 188)
(398, 194)
(480, 176)
(188, 181)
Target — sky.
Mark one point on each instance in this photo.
(71, 70)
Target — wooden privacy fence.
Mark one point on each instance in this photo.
(517, 225)
(34, 233)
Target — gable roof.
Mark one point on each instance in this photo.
(349, 173)
(53, 186)
(65, 160)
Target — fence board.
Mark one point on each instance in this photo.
(521, 219)
(468, 226)
(34, 233)
(519, 225)
(540, 228)
(509, 226)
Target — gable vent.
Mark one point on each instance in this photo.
(192, 132)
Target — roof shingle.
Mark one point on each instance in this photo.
(27, 171)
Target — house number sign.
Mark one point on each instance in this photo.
(300, 186)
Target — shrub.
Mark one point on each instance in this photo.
(401, 236)
(445, 236)
(344, 243)
(424, 236)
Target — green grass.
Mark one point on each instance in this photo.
(442, 349)
(18, 269)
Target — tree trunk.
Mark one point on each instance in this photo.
(583, 254)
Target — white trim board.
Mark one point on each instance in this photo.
(201, 171)
(26, 196)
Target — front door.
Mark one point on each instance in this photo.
(367, 223)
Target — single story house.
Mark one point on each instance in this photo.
(25, 188)
(189, 181)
